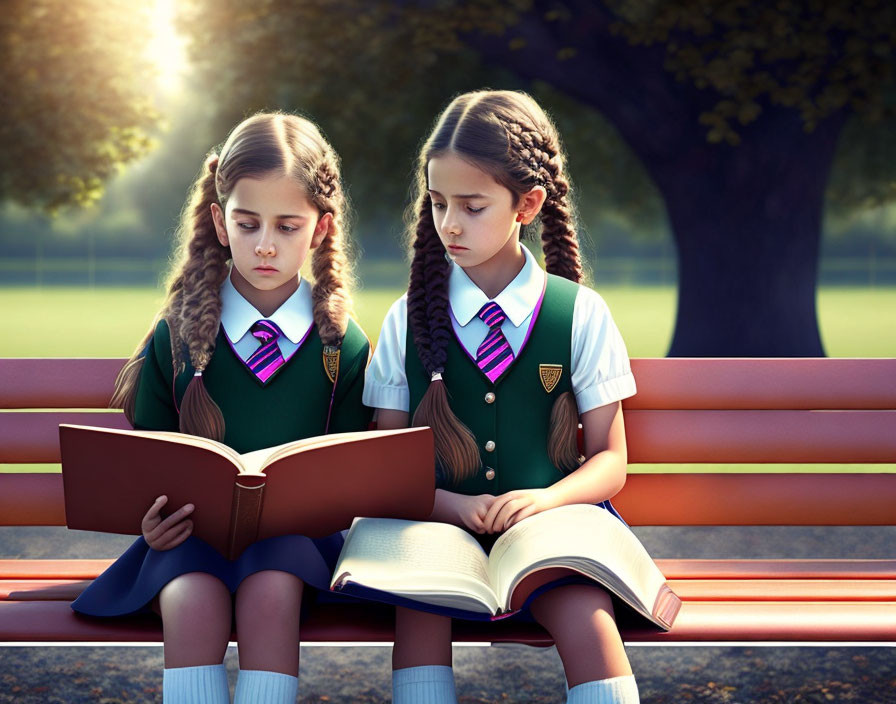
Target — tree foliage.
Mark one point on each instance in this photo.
(818, 57)
(375, 73)
(76, 105)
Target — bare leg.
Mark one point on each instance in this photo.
(420, 639)
(580, 619)
(421, 659)
(196, 620)
(268, 609)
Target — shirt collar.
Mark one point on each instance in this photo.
(517, 300)
(294, 317)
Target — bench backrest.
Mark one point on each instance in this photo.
(687, 411)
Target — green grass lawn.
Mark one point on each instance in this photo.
(79, 322)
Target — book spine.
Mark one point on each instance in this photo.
(248, 498)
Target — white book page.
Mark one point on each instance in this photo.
(255, 462)
(416, 558)
(585, 538)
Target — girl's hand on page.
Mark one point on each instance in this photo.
(471, 511)
(168, 533)
(512, 507)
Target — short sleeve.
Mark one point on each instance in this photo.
(154, 408)
(601, 371)
(386, 382)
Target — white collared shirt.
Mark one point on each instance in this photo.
(294, 318)
(600, 372)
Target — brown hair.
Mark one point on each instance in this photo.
(264, 144)
(509, 136)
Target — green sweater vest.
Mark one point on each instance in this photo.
(517, 421)
(292, 405)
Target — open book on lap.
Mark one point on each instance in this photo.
(313, 487)
(442, 568)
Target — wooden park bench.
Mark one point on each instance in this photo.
(713, 411)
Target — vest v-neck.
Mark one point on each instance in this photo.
(516, 357)
(242, 362)
(510, 421)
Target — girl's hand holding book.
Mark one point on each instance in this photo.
(164, 534)
(512, 507)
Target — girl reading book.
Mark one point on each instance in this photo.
(247, 352)
(504, 360)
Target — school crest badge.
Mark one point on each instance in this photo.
(331, 362)
(550, 375)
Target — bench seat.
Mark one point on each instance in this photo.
(687, 411)
(723, 600)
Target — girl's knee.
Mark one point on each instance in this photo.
(196, 613)
(197, 594)
(270, 594)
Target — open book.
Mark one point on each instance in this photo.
(443, 566)
(314, 486)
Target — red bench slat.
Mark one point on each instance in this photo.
(79, 569)
(776, 569)
(697, 621)
(663, 383)
(761, 436)
(31, 438)
(645, 500)
(767, 383)
(57, 383)
(880, 590)
(652, 436)
(42, 589)
(758, 499)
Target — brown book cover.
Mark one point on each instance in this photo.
(314, 486)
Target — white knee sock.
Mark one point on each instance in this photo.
(263, 687)
(202, 684)
(433, 684)
(616, 690)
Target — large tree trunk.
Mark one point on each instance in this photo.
(747, 224)
(746, 219)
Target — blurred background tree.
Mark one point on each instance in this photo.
(75, 104)
(716, 120)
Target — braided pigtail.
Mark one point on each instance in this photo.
(540, 150)
(195, 312)
(561, 257)
(537, 148)
(560, 242)
(456, 452)
(191, 309)
(331, 292)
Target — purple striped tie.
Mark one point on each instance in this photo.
(266, 359)
(494, 354)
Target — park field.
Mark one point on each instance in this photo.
(109, 322)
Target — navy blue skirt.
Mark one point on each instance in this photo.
(133, 580)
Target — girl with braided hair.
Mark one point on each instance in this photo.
(242, 352)
(503, 360)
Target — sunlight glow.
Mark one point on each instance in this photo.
(167, 48)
